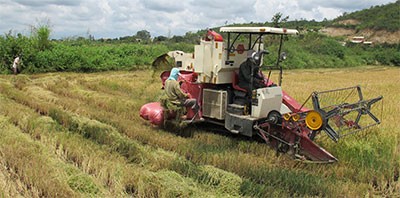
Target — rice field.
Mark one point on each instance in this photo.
(80, 135)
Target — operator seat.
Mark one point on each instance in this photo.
(235, 81)
(240, 95)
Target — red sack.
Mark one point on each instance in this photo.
(153, 112)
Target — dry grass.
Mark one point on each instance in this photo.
(31, 161)
(101, 134)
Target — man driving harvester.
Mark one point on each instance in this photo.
(251, 64)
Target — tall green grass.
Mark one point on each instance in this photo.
(311, 50)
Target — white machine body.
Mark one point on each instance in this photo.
(211, 59)
(268, 99)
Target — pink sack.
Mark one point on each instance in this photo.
(153, 112)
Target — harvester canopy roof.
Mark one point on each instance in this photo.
(259, 30)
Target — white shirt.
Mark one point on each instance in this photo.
(16, 62)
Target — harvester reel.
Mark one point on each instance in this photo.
(338, 113)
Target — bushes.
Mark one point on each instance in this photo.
(314, 50)
(12, 46)
(76, 57)
(311, 50)
(93, 58)
(388, 56)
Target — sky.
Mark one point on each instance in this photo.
(118, 18)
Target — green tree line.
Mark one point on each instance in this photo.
(40, 54)
(315, 50)
(380, 17)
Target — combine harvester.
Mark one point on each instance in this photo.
(210, 75)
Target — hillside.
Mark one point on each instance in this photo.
(379, 24)
(384, 17)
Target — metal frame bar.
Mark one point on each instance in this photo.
(251, 44)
